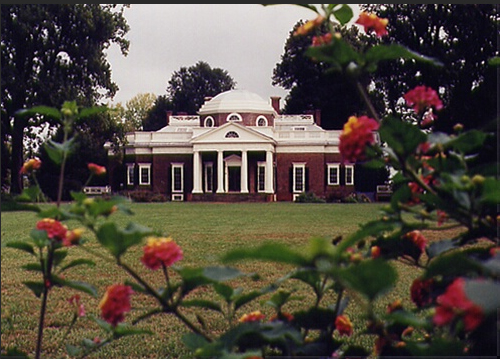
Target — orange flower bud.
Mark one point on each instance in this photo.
(96, 169)
(255, 316)
(30, 165)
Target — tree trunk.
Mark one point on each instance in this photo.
(17, 155)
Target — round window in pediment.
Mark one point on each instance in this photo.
(232, 134)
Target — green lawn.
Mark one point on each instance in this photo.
(204, 231)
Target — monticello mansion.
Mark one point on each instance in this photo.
(237, 148)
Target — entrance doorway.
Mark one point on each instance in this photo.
(234, 179)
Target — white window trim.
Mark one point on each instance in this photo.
(174, 166)
(352, 174)
(261, 118)
(206, 120)
(234, 114)
(329, 167)
(130, 180)
(261, 166)
(141, 166)
(295, 166)
(206, 166)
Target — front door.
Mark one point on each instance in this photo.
(234, 179)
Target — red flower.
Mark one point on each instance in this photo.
(30, 165)
(417, 238)
(96, 169)
(422, 98)
(255, 316)
(357, 133)
(322, 40)
(442, 216)
(343, 325)
(282, 316)
(160, 251)
(73, 237)
(394, 306)
(420, 292)
(55, 229)
(372, 22)
(79, 308)
(454, 303)
(115, 303)
(309, 26)
(375, 251)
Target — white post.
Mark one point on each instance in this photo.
(269, 173)
(197, 172)
(244, 172)
(220, 172)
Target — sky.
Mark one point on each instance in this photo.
(246, 40)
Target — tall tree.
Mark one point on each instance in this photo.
(313, 85)
(53, 53)
(137, 109)
(189, 86)
(463, 37)
(156, 117)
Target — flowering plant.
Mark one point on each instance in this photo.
(436, 186)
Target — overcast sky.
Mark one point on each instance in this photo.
(246, 40)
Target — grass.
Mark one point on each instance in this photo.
(204, 231)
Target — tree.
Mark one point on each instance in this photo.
(313, 85)
(463, 37)
(189, 86)
(156, 117)
(50, 54)
(137, 109)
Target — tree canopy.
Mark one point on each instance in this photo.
(53, 53)
(461, 36)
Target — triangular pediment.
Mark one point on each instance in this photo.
(231, 132)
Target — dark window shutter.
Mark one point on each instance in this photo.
(306, 179)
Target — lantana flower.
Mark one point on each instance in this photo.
(309, 26)
(322, 39)
(357, 133)
(372, 22)
(454, 303)
(55, 229)
(160, 251)
(417, 238)
(255, 316)
(115, 303)
(343, 325)
(96, 169)
(72, 237)
(78, 307)
(30, 165)
(423, 98)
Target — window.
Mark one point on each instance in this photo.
(177, 177)
(130, 174)
(232, 134)
(261, 121)
(333, 174)
(261, 176)
(209, 177)
(349, 174)
(301, 128)
(145, 174)
(233, 117)
(209, 121)
(299, 176)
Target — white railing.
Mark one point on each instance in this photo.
(188, 120)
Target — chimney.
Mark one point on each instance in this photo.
(317, 117)
(169, 113)
(275, 102)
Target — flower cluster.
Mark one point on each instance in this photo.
(423, 98)
(115, 303)
(357, 133)
(255, 316)
(309, 26)
(372, 22)
(453, 303)
(30, 165)
(55, 229)
(160, 251)
(322, 39)
(343, 325)
(420, 292)
(96, 169)
(417, 238)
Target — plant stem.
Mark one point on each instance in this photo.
(46, 286)
(367, 101)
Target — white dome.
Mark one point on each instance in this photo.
(236, 101)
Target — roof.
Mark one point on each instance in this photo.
(241, 101)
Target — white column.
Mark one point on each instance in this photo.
(197, 172)
(220, 172)
(269, 173)
(244, 172)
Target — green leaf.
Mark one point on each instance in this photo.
(24, 246)
(452, 264)
(274, 252)
(72, 350)
(135, 286)
(59, 256)
(90, 111)
(485, 293)
(373, 228)
(224, 291)
(221, 274)
(315, 318)
(401, 136)
(41, 110)
(81, 286)
(494, 61)
(32, 194)
(343, 13)
(248, 297)
(201, 303)
(35, 267)
(194, 341)
(490, 192)
(279, 299)
(408, 319)
(468, 142)
(436, 248)
(117, 240)
(102, 324)
(338, 53)
(36, 287)
(371, 277)
(40, 238)
(379, 53)
(77, 262)
(57, 151)
(123, 330)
